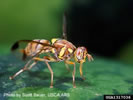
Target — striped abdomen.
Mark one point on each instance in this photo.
(34, 48)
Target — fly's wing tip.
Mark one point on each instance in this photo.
(15, 46)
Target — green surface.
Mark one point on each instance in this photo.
(102, 77)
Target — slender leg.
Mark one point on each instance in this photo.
(80, 70)
(32, 65)
(46, 58)
(20, 71)
(67, 67)
(50, 59)
(50, 69)
(74, 70)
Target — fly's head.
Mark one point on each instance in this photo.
(80, 55)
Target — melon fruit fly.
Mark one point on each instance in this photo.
(62, 50)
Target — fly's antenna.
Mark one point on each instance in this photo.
(64, 27)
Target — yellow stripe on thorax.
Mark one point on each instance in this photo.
(54, 40)
(70, 50)
(53, 50)
(62, 51)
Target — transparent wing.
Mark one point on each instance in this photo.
(19, 46)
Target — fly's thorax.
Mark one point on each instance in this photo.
(54, 40)
(33, 48)
(65, 53)
(64, 48)
(57, 42)
(80, 54)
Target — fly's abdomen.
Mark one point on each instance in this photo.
(34, 48)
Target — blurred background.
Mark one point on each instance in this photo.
(105, 27)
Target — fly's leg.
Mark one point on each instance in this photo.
(23, 69)
(74, 71)
(49, 67)
(51, 71)
(80, 70)
(67, 67)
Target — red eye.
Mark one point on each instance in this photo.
(78, 52)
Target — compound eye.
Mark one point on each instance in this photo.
(79, 54)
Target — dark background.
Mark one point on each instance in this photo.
(103, 26)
